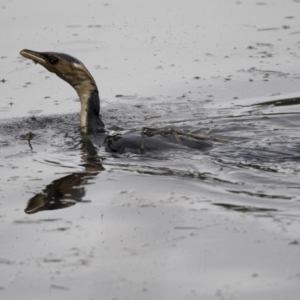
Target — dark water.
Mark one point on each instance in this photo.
(257, 170)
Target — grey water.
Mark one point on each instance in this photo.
(78, 222)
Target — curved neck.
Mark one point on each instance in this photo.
(90, 121)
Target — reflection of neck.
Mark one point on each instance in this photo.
(90, 121)
(90, 158)
(68, 190)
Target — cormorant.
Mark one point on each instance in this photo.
(76, 74)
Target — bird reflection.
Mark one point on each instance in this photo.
(68, 190)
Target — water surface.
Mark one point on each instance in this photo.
(78, 222)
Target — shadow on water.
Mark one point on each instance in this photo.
(244, 209)
(283, 102)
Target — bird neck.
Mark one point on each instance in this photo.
(90, 121)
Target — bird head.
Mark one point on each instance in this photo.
(65, 66)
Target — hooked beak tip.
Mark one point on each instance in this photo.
(33, 55)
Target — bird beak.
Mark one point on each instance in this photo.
(37, 57)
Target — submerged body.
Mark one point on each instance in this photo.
(76, 74)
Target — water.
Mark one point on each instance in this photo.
(81, 223)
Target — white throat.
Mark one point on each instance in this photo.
(84, 98)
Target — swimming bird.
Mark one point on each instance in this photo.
(74, 72)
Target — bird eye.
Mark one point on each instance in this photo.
(52, 59)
